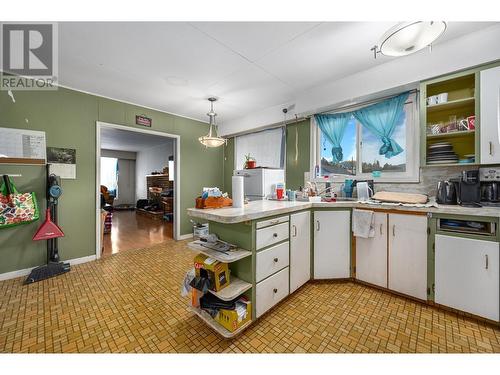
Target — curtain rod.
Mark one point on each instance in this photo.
(361, 104)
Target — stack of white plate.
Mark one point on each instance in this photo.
(441, 153)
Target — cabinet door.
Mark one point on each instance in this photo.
(408, 254)
(371, 254)
(490, 115)
(467, 275)
(332, 234)
(300, 249)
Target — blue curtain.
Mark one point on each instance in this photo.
(381, 119)
(333, 128)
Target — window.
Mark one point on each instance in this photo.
(267, 147)
(109, 174)
(360, 148)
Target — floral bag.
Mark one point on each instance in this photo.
(16, 208)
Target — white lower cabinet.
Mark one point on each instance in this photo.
(271, 291)
(467, 275)
(371, 254)
(300, 249)
(407, 239)
(332, 236)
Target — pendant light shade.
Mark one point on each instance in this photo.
(211, 139)
(409, 37)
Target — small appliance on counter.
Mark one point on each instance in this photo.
(447, 191)
(364, 189)
(489, 179)
(260, 183)
(469, 190)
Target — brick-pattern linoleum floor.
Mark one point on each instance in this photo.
(130, 302)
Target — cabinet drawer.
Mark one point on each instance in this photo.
(270, 291)
(271, 235)
(272, 260)
(276, 220)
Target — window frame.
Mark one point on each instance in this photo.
(412, 173)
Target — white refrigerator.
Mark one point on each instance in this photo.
(259, 183)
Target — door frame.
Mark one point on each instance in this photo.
(177, 152)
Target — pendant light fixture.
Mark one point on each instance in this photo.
(409, 37)
(211, 139)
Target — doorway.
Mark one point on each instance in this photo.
(137, 195)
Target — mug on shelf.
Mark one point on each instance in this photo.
(442, 98)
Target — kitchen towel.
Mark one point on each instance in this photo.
(363, 223)
(238, 194)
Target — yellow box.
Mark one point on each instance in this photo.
(218, 272)
(229, 318)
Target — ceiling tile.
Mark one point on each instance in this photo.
(254, 39)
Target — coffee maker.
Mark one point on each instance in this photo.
(489, 178)
(469, 189)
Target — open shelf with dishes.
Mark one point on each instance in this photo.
(448, 119)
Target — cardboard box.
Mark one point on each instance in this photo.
(218, 272)
(229, 318)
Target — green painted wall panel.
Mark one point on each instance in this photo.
(228, 160)
(298, 138)
(68, 117)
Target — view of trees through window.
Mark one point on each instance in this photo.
(370, 145)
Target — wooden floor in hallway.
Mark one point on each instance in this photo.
(131, 302)
(134, 231)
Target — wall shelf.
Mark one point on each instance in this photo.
(216, 326)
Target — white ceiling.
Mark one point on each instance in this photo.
(175, 66)
(123, 140)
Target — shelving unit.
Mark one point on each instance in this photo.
(161, 182)
(236, 287)
(463, 101)
(216, 326)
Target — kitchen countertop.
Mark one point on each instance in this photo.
(264, 208)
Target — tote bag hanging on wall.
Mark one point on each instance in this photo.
(16, 208)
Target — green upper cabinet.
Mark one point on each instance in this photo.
(440, 121)
(448, 107)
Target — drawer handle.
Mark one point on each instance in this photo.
(276, 260)
(486, 266)
(272, 222)
(275, 290)
(275, 235)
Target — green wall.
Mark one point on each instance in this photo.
(68, 117)
(297, 158)
(295, 168)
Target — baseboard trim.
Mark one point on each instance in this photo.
(26, 271)
(185, 236)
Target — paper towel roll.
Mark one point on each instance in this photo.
(238, 195)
